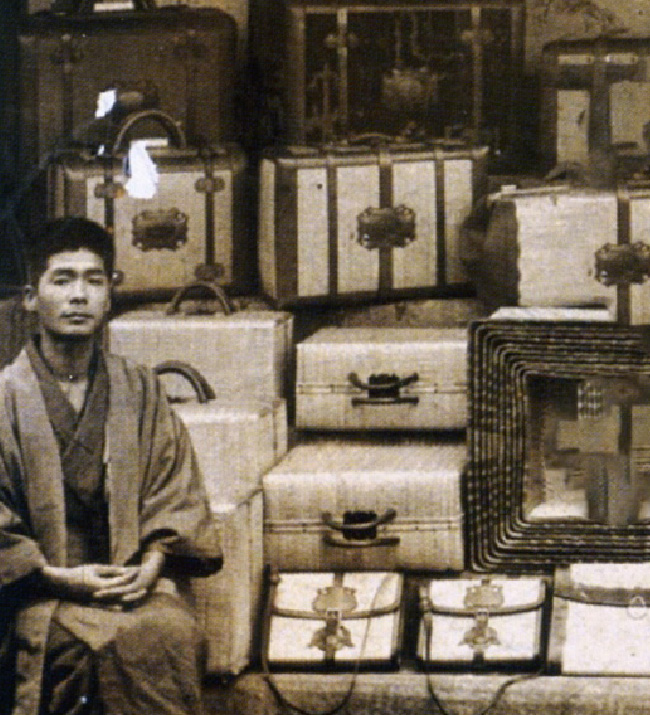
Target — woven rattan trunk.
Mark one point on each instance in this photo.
(350, 223)
(594, 98)
(228, 603)
(384, 378)
(564, 247)
(335, 505)
(245, 353)
(195, 218)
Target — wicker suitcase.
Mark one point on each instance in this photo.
(350, 223)
(492, 621)
(244, 353)
(600, 622)
(595, 95)
(335, 505)
(384, 378)
(405, 67)
(191, 221)
(184, 58)
(328, 620)
(567, 247)
(228, 603)
(236, 441)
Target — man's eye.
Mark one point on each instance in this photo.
(97, 281)
(60, 280)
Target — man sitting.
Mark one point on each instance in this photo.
(103, 513)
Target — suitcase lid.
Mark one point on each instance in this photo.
(420, 484)
(496, 595)
(401, 360)
(349, 155)
(311, 595)
(157, 319)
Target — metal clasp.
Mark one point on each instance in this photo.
(624, 264)
(162, 229)
(481, 600)
(392, 227)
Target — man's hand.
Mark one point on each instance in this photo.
(143, 579)
(106, 583)
(85, 581)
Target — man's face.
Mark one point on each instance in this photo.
(72, 297)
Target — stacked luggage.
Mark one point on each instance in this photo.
(382, 467)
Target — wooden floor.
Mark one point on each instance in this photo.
(407, 693)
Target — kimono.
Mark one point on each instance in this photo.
(153, 494)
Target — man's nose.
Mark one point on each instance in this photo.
(79, 290)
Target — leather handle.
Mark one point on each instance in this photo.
(388, 516)
(351, 535)
(173, 131)
(383, 390)
(394, 382)
(217, 292)
(202, 388)
(342, 543)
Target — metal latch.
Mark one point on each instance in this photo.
(391, 227)
(161, 229)
(333, 603)
(623, 264)
(384, 389)
(481, 600)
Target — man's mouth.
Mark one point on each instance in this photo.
(77, 316)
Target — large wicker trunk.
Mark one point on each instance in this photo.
(360, 222)
(565, 247)
(195, 218)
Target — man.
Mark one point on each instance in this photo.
(102, 508)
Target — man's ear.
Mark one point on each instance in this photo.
(29, 298)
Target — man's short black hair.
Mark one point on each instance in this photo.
(70, 233)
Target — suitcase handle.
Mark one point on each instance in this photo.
(202, 388)
(383, 389)
(174, 132)
(359, 529)
(216, 291)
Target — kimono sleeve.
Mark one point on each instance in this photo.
(20, 554)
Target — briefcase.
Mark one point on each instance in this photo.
(600, 623)
(190, 220)
(333, 620)
(236, 440)
(180, 59)
(337, 505)
(346, 223)
(483, 621)
(228, 603)
(243, 353)
(383, 378)
(567, 247)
